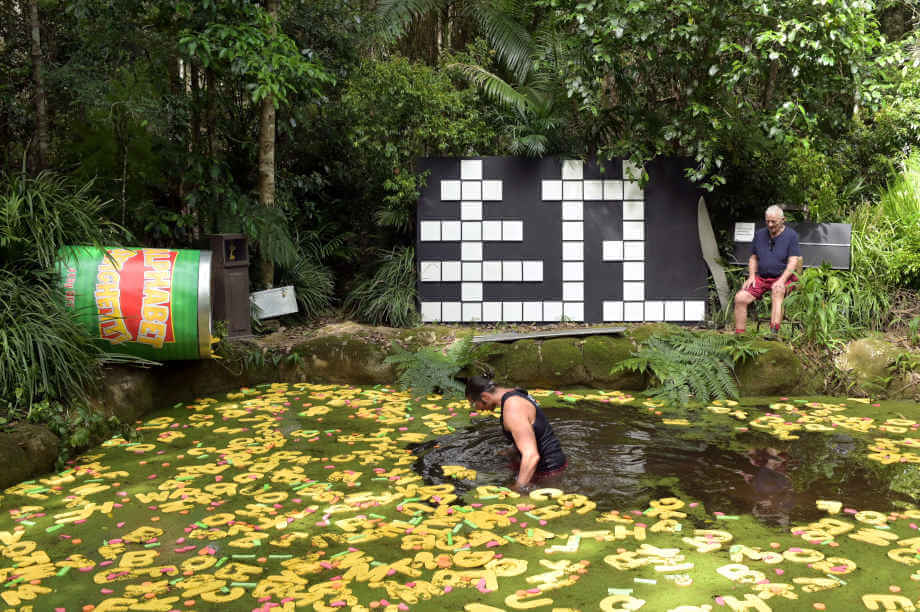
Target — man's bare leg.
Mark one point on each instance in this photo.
(776, 314)
(742, 300)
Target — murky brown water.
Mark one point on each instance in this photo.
(621, 460)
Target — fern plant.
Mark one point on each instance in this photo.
(686, 365)
(432, 369)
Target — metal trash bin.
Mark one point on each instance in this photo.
(230, 277)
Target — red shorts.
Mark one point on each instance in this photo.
(762, 285)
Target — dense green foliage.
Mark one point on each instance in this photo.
(689, 366)
(155, 109)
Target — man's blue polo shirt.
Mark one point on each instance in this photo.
(773, 253)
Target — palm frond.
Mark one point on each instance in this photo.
(512, 42)
(494, 87)
(395, 15)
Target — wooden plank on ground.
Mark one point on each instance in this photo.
(581, 331)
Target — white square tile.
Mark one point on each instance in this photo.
(533, 311)
(573, 251)
(491, 271)
(471, 211)
(573, 230)
(512, 311)
(573, 271)
(694, 310)
(613, 250)
(574, 311)
(430, 231)
(471, 292)
(631, 171)
(533, 271)
(633, 210)
(471, 169)
(634, 270)
(613, 311)
(632, 191)
(572, 211)
(674, 311)
(471, 251)
(512, 231)
(551, 190)
(552, 311)
(633, 230)
(654, 311)
(594, 190)
(613, 190)
(471, 190)
(571, 190)
(572, 169)
(512, 271)
(450, 191)
(491, 311)
(472, 230)
(451, 312)
(472, 271)
(430, 271)
(492, 190)
(472, 311)
(450, 231)
(633, 311)
(431, 311)
(633, 291)
(491, 230)
(573, 292)
(634, 251)
(450, 271)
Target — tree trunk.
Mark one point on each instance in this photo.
(41, 100)
(267, 158)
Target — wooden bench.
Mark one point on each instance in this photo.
(819, 243)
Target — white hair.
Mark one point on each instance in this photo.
(774, 211)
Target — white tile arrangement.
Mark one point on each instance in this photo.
(571, 191)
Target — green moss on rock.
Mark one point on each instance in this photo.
(343, 359)
(518, 364)
(562, 363)
(641, 333)
(778, 371)
(601, 353)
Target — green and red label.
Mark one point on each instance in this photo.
(141, 301)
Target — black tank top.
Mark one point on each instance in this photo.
(551, 455)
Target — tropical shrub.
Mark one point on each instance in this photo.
(433, 369)
(388, 297)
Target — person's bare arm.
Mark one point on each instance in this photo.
(752, 272)
(791, 265)
(518, 423)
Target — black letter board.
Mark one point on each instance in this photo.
(513, 239)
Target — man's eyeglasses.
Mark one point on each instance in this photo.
(772, 244)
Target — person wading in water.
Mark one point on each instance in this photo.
(524, 425)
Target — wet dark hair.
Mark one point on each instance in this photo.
(476, 385)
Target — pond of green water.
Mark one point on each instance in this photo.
(322, 497)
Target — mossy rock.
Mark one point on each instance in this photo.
(866, 361)
(601, 353)
(562, 363)
(25, 451)
(640, 333)
(128, 393)
(341, 359)
(778, 371)
(518, 364)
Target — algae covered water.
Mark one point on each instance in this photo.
(322, 497)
